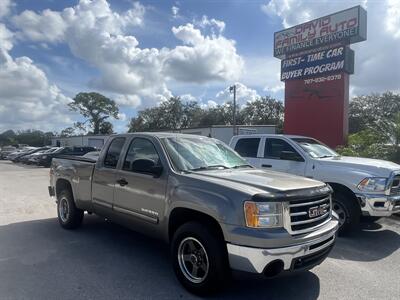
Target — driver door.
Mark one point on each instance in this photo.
(274, 157)
(139, 193)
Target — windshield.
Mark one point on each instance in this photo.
(195, 154)
(314, 148)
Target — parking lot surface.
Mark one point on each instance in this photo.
(101, 260)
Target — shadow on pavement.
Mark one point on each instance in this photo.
(40, 260)
(373, 242)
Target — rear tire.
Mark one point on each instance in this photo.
(199, 258)
(348, 211)
(69, 216)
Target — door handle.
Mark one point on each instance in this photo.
(122, 182)
(266, 166)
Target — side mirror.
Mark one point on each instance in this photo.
(146, 166)
(290, 155)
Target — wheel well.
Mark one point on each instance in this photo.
(180, 216)
(340, 188)
(62, 184)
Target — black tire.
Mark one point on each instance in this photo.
(369, 219)
(349, 212)
(218, 273)
(69, 216)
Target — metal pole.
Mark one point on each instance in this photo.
(233, 88)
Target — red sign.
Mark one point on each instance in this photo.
(318, 107)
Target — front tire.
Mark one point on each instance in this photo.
(199, 258)
(348, 212)
(69, 216)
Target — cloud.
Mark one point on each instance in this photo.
(47, 26)
(377, 67)
(175, 11)
(204, 58)
(244, 94)
(5, 8)
(102, 38)
(27, 97)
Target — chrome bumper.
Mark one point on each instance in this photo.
(379, 205)
(254, 260)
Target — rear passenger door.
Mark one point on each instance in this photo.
(104, 177)
(279, 155)
(248, 148)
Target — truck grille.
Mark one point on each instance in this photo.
(395, 187)
(309, 214)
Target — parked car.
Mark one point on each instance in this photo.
(19, 152)
(93, 155)
(6, 150)
(45, 159)
(362, 186)
(34, 158)
(215, 210)
(21, 157)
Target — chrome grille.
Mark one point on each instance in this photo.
(308, 214)
(395, 187)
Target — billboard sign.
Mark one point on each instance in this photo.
(347, 26)
(318, 63)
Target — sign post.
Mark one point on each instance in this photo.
(316, 62)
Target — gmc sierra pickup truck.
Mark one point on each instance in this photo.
(362, 187)
(217, 212)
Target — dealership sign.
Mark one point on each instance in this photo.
(347, 26)
(318, 63)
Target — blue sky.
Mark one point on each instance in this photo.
(141, 53)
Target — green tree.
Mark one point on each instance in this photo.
(376, 111)
(95, 107)
(265, 110)
(106, 128)
(69, 131)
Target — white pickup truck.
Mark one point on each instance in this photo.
(362, 186)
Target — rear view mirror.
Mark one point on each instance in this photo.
(290, 155)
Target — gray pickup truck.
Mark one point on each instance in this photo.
(217, 212)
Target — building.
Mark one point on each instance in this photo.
(225, 132)
(96, 141)
(220, 132)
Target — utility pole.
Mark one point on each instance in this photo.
(232, 89)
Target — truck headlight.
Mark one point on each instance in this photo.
(263, 214)
(372, 184)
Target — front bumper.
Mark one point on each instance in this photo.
(379, 205)
(255, 260)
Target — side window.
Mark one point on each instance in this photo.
(247, 147)
(141, 156)
(113, 153)
(280, 149)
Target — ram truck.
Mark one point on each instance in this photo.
(363, 188)
(215, 211)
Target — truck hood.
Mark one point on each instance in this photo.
(256, 179)
(375, 167)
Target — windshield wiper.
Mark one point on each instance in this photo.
(209, 168)
(326, 156)
(242, 166)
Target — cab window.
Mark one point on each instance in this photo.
(247, 147)
(113, 153)
(280, 149)
(141, 156)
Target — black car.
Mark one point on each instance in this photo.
(45, 159)
(21, 157)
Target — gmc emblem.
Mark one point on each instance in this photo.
(316, 211)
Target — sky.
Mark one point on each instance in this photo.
(140, 53)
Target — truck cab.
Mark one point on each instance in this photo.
(363, 187)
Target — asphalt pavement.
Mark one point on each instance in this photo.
(101, 260)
